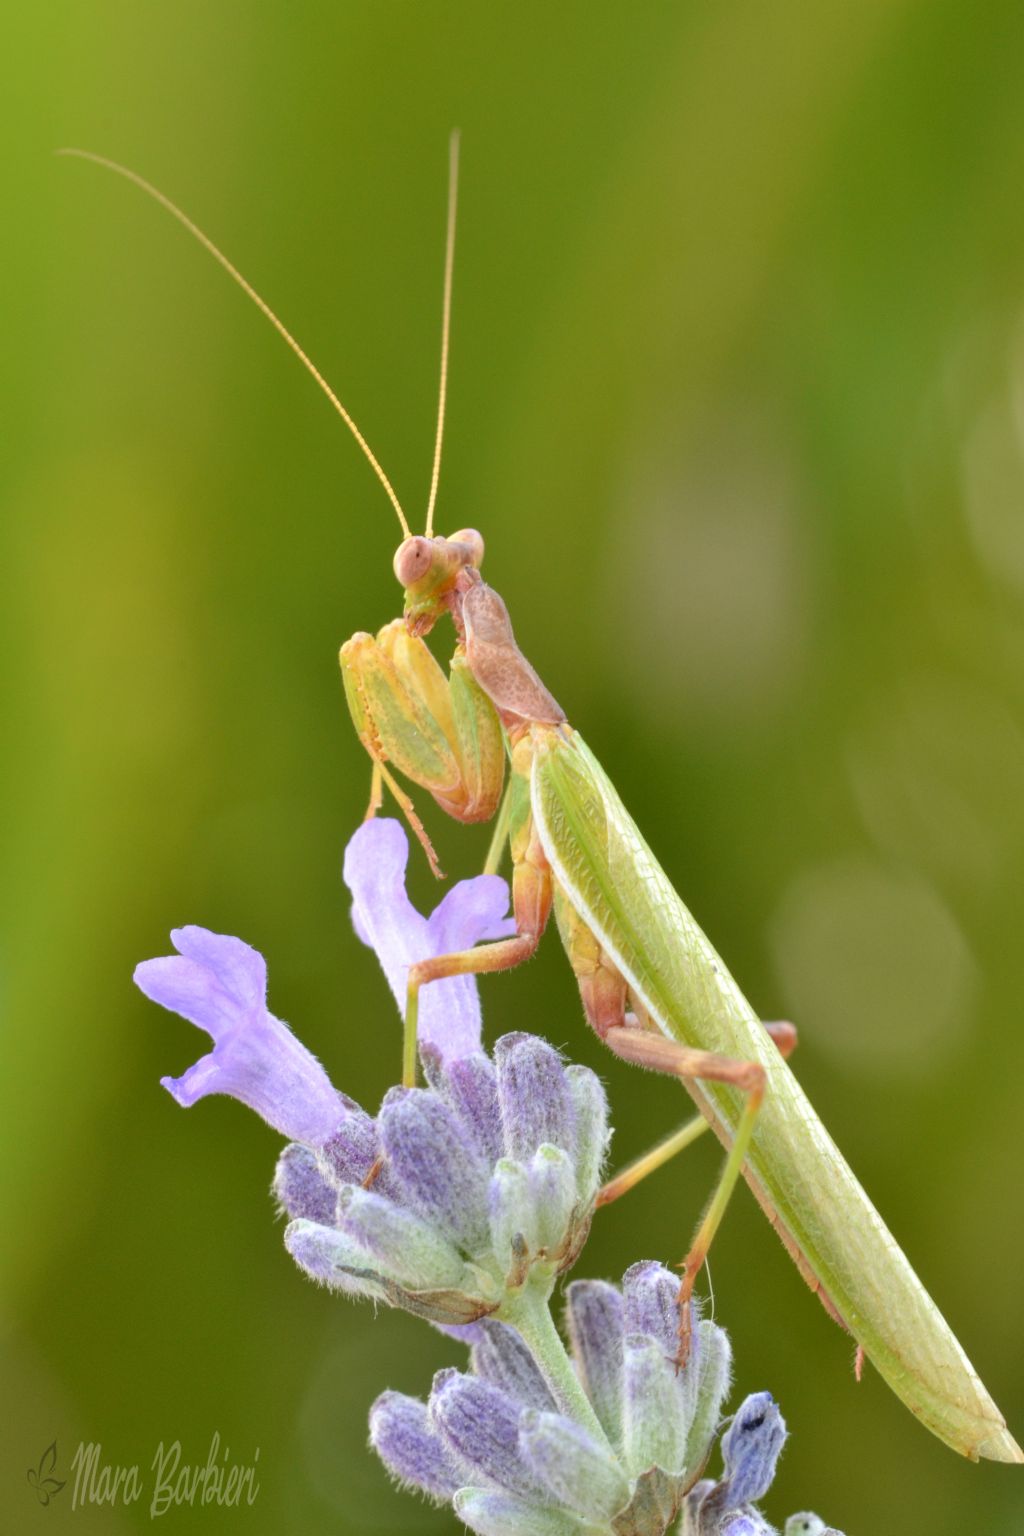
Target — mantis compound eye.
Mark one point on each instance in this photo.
(473, 543)
(413, 560)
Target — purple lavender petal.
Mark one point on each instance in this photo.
(409, 1446)
(436, 1169)
(271, 1072)
(219, 984)
(500, 1357)
(301, 1188)
(472, 910)
(385, 918)
(480, 1428)
(241, 970)
(376, 860)
(594, 1315)
(534, 1095)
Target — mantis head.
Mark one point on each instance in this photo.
(428, 570)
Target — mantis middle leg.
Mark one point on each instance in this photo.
(785, 1037)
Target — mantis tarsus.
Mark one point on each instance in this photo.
(651, 983)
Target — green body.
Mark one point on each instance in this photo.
(841, 1244)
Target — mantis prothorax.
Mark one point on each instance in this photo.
(651, 984)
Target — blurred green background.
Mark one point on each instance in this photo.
(737, 399)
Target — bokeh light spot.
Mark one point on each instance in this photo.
(874, 967)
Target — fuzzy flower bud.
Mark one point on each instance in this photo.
(751, 1446)
(528, 1460)
(447, 1230)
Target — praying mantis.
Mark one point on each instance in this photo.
(651, 984)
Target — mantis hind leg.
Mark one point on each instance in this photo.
(606, 997)
(785, 1038)
(645, 1049)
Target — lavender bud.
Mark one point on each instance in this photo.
(352, 1151)
(330, 1258)
(409, 1446)
(710, 1370)
(500, 1357)
(533, 1095)
(523, 1465)
(578, 1471)
(746, 1523)
(434, 1167)
(751, 1447)
(653, 1434)
(592, 1132)
(552, 1183)
(444, 1231)
(406, 1249)
(300, 1187)
(479, 1425)
(470, 1085)
(692, 1504)
(651, 1296)
(498, 1514)
(595, 1322)
(807, 1524)
(512, 1217)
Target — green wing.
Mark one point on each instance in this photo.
(823, 1215)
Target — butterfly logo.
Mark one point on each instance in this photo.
(41, 1478)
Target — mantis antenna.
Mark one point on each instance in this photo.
(264, 307)
(446, 322)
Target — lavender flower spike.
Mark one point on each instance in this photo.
(530, 1456)
(220, 984)
(617, 1452)
(384, 918)
(455, 1227)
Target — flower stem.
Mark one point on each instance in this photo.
(529, 1314)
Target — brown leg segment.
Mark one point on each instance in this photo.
(531, 905)
(785, 1037)
(631, 1036)
(648, 1050)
